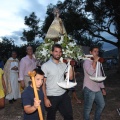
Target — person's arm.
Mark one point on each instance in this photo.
(46, 100)
(71, 73)
(103, 91)
(30, 109)
(102, 86)
(21, 73)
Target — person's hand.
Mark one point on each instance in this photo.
(36, 103)
(96, 59)
(13, 68)
(68, 59)
(22, 84)
(104, 92)
(47, 102)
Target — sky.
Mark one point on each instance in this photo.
(12, 13)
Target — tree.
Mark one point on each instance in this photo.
(34, 30)
(86, 19)
(105, 14)
(6, 46)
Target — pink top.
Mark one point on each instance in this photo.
(90, 71)
(26, 65)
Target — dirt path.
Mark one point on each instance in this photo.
(15, 111)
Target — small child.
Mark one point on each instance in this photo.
(30, 103)
(2, 90)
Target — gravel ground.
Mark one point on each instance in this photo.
(15, 111)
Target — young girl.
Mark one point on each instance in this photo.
(2, 90)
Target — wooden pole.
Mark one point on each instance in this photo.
(32, 75)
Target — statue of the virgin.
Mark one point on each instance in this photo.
(57, 28)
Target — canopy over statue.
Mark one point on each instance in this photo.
(57, 28)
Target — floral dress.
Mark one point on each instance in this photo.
(2, 94)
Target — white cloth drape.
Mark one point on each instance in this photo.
(15, 93)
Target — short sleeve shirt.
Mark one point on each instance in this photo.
(54, 73)
(28, 99)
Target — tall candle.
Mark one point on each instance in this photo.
(32, 75)
(96, 69)
(68, 73)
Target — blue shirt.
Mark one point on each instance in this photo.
(28, 99)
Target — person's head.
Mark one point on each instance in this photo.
(56, 51)
(14, 54)
(39, 77)
(94, 50)
(29, 50)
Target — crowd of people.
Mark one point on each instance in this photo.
(14, 75)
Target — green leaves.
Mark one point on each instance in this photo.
(70, 48)
(34, 30)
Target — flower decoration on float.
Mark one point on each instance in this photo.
(70, 48)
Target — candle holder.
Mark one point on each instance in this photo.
(66, 84)
(98, 78)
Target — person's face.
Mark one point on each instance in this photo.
(29, 50)
(39, 80)
(95, 52)
(57, 53)
(14, 55)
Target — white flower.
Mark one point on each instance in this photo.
(61, 59)
(44, 52)
(47, 44)
(71, 44)
(65, 55)
(61, 38)
(60, 42)
(70, 38)
(67, 47)
(63, 52)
